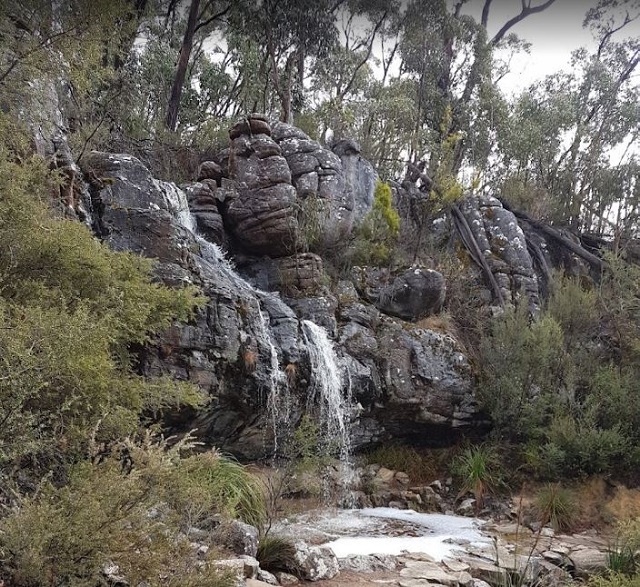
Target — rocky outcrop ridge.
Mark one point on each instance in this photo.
(407, 382)
(503, 244)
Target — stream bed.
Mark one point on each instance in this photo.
(385, 531)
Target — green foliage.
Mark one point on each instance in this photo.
(229, 487)
(578, 447)
(614, 580)
(111, 513)
(575, 308)
(622, 559)
(276, 553)
(377, 235)
(525, 368)
(70, 309)
(478, 472)
(556, 506)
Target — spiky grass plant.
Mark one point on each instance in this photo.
(478, 470)
(555, 505)
(232, 489)
(276, 553)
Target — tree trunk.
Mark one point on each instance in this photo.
(181, 67)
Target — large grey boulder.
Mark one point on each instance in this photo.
(360, 177)
(262, 218)
(411, 295)
(315, 563)
(238, 537)
(321, 186)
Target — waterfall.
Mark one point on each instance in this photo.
(177, 203)
(278, 400)
(327, 385)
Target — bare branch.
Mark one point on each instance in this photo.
(485, 13)
(527, 10)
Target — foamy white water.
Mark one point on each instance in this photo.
(439, 532)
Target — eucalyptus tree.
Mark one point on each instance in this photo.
(571, 137)
(202, 17)
(291, 35)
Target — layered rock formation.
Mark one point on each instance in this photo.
(247, 348)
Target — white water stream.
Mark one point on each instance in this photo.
(327, 389)
(327, 382)
(386, 531)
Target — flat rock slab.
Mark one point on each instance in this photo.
(429, 571)
(588, 561)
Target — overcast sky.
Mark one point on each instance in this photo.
(553, 34)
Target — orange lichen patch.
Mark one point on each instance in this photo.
(249, 358)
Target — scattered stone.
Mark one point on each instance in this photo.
(238, 537)
(287, 578)
(411, 557)
(368, 563)
(267, 577)
(316, 562)
(588, 561)
(554, 557)
(454, 565)
(251, 566)
(429, 571)
(467, 507)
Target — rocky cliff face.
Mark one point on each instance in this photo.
(247, 347)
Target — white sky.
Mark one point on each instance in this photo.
(553, 34)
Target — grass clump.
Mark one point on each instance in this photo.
(478, 472)
(555, 505)
(276, 553)
(419, 466)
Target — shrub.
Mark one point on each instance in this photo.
(397, 457)
(527, 375)
(376, 237)
(556, 506)
(106, 513)
(71, 310)
(578, 448)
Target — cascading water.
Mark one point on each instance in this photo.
(177, 204)
(329, 394)
(278, 399)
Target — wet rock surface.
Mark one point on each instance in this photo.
(539, 558)
(409, 382)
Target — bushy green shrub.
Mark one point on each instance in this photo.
(575, 448)
(121, 511)
(70, 311)
(376, 237)
(526, 374)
